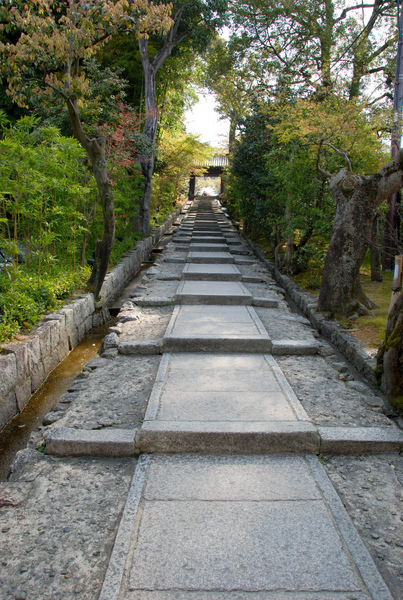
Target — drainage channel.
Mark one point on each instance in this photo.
(15, 435)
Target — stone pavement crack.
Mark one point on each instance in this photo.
(227, 397)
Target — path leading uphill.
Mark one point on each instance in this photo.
(228, 398)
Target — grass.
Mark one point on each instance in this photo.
(369, 329)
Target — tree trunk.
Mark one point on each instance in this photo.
(375, 252)
(289, 256)
(142, 223)
(390, 356)
(341, 292)
(278, 261)
(299, 263)
(95, 149)
(104, 247)
(357, 200)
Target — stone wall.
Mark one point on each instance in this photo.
(25, 365)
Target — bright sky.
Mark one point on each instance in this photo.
(204, 121)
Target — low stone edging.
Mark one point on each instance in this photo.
(26, 364)
(116, 279)
(347, 344)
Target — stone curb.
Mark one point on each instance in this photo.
(359, 440)
(348, 345)
(140, 347)
(294, 347)
(117, 563)
(65, 441)
(188, 437)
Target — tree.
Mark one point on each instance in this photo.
(357, 200)
(341, 132)
(274, 186)
(196, 22)
(46, 58)
(312, 47)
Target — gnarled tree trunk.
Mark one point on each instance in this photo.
(340, 291)
(357, 199)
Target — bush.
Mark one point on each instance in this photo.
(24, 298)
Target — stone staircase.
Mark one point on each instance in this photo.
(229, 500)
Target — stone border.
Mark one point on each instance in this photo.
(26, 364)
(121, 555)
(347, 344)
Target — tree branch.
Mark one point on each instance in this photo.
(340, 153)
(377, 70)
(171, 39)
(324, 173)
(47, 84)
(379, 51)
(386, 95)
(319, 170)
(77, 128)
(346, 10)
(390, 177)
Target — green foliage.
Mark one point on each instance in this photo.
(24, 300)
(335, 128)
(101, 106)
(273, 187)
(254, 188)
(44, 189)
(50, 216)
(280, 170)
(178, 157)
(312, 258)
(200, 20)
(45, 193)
(311, 48)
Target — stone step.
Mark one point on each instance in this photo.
(203, 234)
(210, 257)
(238, 249)
(221, 403)
(208, 247)
(235, 527)
(213, 292)
(212, 328)
(210, 272)
(224, 437)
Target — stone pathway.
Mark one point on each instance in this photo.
(228, 397)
